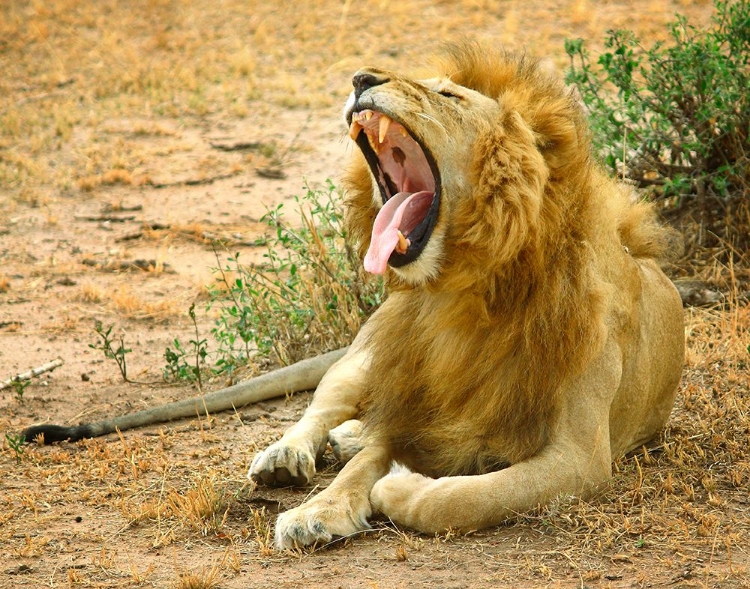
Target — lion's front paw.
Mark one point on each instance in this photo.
(319, 520)
(345, 440)
(283, 465)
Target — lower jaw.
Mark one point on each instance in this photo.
(416, 249)
(424, 268)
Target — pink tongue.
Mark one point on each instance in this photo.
(385, 230)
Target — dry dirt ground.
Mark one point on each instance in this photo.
(116, 123)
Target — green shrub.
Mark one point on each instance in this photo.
(678, 122)
(310, 294)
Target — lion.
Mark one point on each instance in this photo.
(529, 335)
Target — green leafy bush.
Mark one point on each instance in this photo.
(310, 294)
(675, 117)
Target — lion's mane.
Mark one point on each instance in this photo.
(466, 370)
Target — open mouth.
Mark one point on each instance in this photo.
(409, 185)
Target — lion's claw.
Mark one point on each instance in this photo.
(296, 533)
(319, 521)
(281, 465)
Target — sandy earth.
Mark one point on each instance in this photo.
(83, 514)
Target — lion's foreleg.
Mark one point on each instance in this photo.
(576, 460)
(339, 510)
(291, 460)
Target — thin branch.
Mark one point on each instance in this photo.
(105, 218)
(194, 182)
(240, 146)
(48, 367)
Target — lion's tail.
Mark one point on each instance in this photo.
(302, 376)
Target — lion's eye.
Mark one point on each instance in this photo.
(449, 94)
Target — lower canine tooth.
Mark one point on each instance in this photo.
(403, 243)
(374, 144)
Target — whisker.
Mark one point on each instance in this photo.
(432, 119)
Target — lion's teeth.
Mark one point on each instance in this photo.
(368, 115)
(403, 243)
(374, 144)
(354, 130)
(384, 123)
(403, 131)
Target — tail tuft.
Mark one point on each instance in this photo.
(56, 433)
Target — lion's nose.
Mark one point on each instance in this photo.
(366, 79)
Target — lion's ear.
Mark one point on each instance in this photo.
(561, 134)
(510, 176)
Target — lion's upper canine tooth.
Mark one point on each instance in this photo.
(354, 129)
(384, 123)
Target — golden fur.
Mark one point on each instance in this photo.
(520, 267)
(542, 277)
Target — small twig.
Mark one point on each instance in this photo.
(240, 146)
(130, 236)
(275, 173)
(109, 208)
(196, 182)
(156, 226)
(105, 218)
(48, 367)
(226, 239)
(117, 265)
(36, 98)
(205, 236)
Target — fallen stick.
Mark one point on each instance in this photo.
(105, 218)
(48, 367)
(240, 146)
(302, 376)
(109, 208)
(126, 265)
(193, 182)
(272, 173)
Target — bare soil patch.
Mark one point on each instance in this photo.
(133, 136)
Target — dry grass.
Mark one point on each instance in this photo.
(75, 88)
(687, 496)
(130, 305)
(680, 505)
(127, 303)
(203, 579)
(104, 100)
